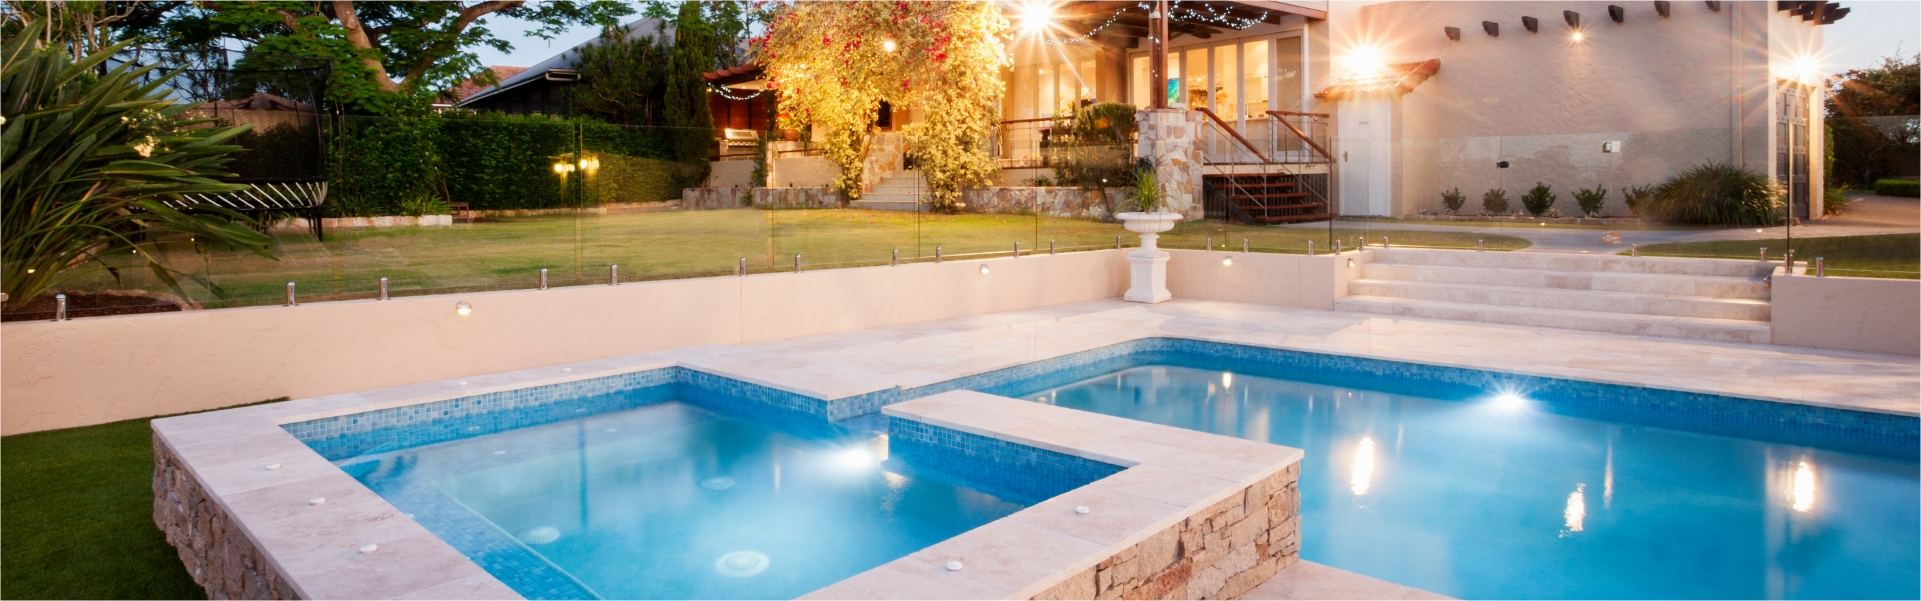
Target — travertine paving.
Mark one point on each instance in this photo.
(848, 363)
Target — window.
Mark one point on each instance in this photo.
(1227, 78)
(1287, 74)
(1139, 82)
(1254, 56)
(1197, 90)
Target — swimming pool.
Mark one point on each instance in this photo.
(1482, 485)
(663, 490)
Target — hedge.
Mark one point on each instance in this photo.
(1897, 187)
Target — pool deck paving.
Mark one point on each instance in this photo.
(855, 362)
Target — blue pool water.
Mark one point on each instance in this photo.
(666, 493)
(1486, 491)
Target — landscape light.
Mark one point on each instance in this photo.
(1227, 261)
(463, 308)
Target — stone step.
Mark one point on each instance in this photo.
(1575, 263)
(878, 197)
(1681, 285)
(1630, 303)
(893, 189)
(1724, 330)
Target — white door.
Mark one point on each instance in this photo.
(1366, 156)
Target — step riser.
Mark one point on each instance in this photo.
(886, 205)
(870, 196)
(1577, 263)
(1545, 298)
(1522, 317)
(1606, 282)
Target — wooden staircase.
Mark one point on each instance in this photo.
(1263, 198)
(1286, 184)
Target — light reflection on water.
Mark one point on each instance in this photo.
(1488, 496)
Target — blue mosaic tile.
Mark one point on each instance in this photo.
(1035, 472)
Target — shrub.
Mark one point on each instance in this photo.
(1897, 187)
(1635, 196)
(1494, 202)
(1148, 195)
(1538, 199)
(382, 160)
(1591, 201)
(1834, 200)
(422, 204)
(1716, 194)
(1453, 199)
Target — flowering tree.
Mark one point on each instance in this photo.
(833, 63)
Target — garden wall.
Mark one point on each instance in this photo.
(1263, 278)
(1855, 314)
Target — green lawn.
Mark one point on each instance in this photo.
(1884, 256)
(508, 253)
(76, 517)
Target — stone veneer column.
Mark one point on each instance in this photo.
(1166, 136)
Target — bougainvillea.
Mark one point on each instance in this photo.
(833, 63)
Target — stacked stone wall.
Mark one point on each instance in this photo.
(1221, 552)
(217, 553)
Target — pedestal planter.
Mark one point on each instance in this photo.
(1147, 272)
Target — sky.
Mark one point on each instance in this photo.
(1873, 30)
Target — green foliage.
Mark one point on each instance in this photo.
(86, 166)
(1453, 200)
(686, 113)
(282, 151)
(1093, 148)
(623, 79)
(1834, 200)
(382, 161)
(1591, 200)
(422, 204)
(1870, 111)
(1897, 187)
(1715, 194)
(1635, 196)
(1539, 199)
(1494, 202)
(1148, 195)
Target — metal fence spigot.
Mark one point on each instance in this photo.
(60, 306)
(1017, 250)
(1050, 247)
(742, 270)
(796, 262)
(1634, 250)
(543, 278)
(1480, 245)
(383, 288)
(613, 274)
(896, 261)
(1310, 248)
(291, 301)
(936, 254)
(1820, 267)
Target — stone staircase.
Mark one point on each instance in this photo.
(1709, 299)
(898, 191)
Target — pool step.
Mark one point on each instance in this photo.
(1656, 296)
(1725, 330)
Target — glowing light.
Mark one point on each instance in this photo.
(463, 308)
(1576, 512)
(1803, 487)
(1227, 379)
(1509, 400)
(855, 458)
(1227, 261)
(1364, 60)
(888, 45)
(1578, 37)
(1363, 466)
(1036, 16)
(983, 270)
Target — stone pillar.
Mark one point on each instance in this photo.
(1167, 136)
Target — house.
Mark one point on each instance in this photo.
(541, 89)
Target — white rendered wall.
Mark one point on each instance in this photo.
(1855, 314)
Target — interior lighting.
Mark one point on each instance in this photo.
(463, 309)
(1036, 16)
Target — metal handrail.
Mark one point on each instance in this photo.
(1303, 135)
(1237, 135)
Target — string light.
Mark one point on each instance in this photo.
(723, 93)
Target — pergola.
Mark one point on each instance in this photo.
(1158, 21)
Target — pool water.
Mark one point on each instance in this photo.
(671, 500)
(1489, 494)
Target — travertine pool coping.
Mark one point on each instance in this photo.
(1171, 474)
(315, 546)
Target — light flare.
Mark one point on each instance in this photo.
(1361, 478)
(1803, 498)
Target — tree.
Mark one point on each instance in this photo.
(381, 48)
(833, 63)
(623, 78)
(1870, 115)
(82, 28)
(686, 99)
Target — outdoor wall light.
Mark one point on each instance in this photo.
(1036, 16)
(1493, 29)
(1453, 33)
(462, 308)
(1532, 24)
(1617, 13)
(1500, 164)
(1662, 7)
(1578, 37)
(1573, 19)
(1714, 5)
(1365, 60)
(1227, 261)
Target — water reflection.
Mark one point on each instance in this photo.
(1363, 466)
(1803, 487)
(1575, 516)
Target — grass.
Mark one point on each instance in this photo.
(509, 253)
(1543, 223)
(76, 517)
(1883, 256)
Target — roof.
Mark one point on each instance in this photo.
(1399, 78)
(565, 60)
(472, 85)
(260, 101)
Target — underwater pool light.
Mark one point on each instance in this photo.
(855, 458)
(1509, 400)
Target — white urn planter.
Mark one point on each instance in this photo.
(1147, 273)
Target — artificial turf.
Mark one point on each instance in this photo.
(1882, 256)
(76, 517)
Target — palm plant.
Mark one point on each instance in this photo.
(1148, 195)
(87, 160)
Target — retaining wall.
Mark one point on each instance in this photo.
(1855, 314)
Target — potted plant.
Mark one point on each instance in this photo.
(1147, 271)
